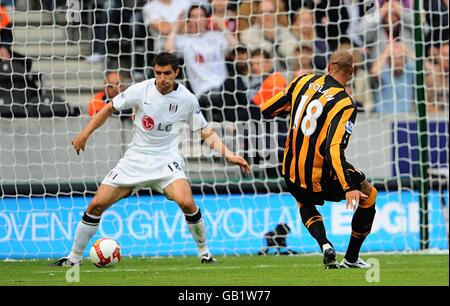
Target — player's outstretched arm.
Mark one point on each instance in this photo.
(213, 140)
(79, 141)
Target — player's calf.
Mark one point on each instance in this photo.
(95, 208)
(313, 221)
(196, 226)
(361, 223)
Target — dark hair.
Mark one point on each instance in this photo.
(166, 58)
(122, 74)
(261, 52)
(301, 47)
(241, 49)
(196, 6)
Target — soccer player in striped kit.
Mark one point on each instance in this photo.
(314, 167)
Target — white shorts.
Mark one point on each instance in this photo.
(140, 170)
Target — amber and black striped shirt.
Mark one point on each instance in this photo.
(322, 118)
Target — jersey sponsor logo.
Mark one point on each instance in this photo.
(199, 58)
(349, 127)
(164, 127)
(173, 108)
(147, 123)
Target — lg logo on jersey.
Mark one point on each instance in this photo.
(148, 123)
(164, 128)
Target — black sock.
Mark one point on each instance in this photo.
(361, 225)
(313, 221)
(193, 218)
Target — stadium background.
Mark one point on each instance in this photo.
(45, 186)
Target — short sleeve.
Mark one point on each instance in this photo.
(148, 13)
(127, 99)
(196, 120)
(221, 40)
(181, 43)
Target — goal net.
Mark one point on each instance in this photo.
(61, 60)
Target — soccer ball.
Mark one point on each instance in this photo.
(105, 252)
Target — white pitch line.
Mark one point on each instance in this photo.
(109, 270)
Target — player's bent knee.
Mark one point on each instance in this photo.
(187, 205)
(370, 201)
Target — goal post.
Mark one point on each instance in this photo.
(421, 128)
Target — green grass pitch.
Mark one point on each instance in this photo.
(403, 269)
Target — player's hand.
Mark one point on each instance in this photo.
(239, 160)
(219, 24)
(180, 25)
(384, 10)
(79, 142)
(352, 199)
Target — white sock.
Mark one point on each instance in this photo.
(326, 246)
(198, 231)
(86, 229)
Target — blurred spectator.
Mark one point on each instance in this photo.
(268, 34)
(232, 105)
(114, 84)
(436, 12)
(393, 77)
(160, 16)
(302, 62)
(246, 14)
(99, 27)
(356, 10)
(303, 29)
(224, 12)
(405, 3)
(112, 28)
(265, 82)
(100, 30)
(248, 11)
(20, 95)
(7, 3)
(204, 53)
(360, 84)
(293, 6)
(392, 21)
(141, 43)
(6, 37)
(303, 25)
(437, 78)
(235, 86)
(332, 22)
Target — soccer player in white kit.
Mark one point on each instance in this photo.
(152, 159)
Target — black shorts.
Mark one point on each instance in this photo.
(331, 189)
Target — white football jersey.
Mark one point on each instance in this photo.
(204, 56)
(157, 117)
